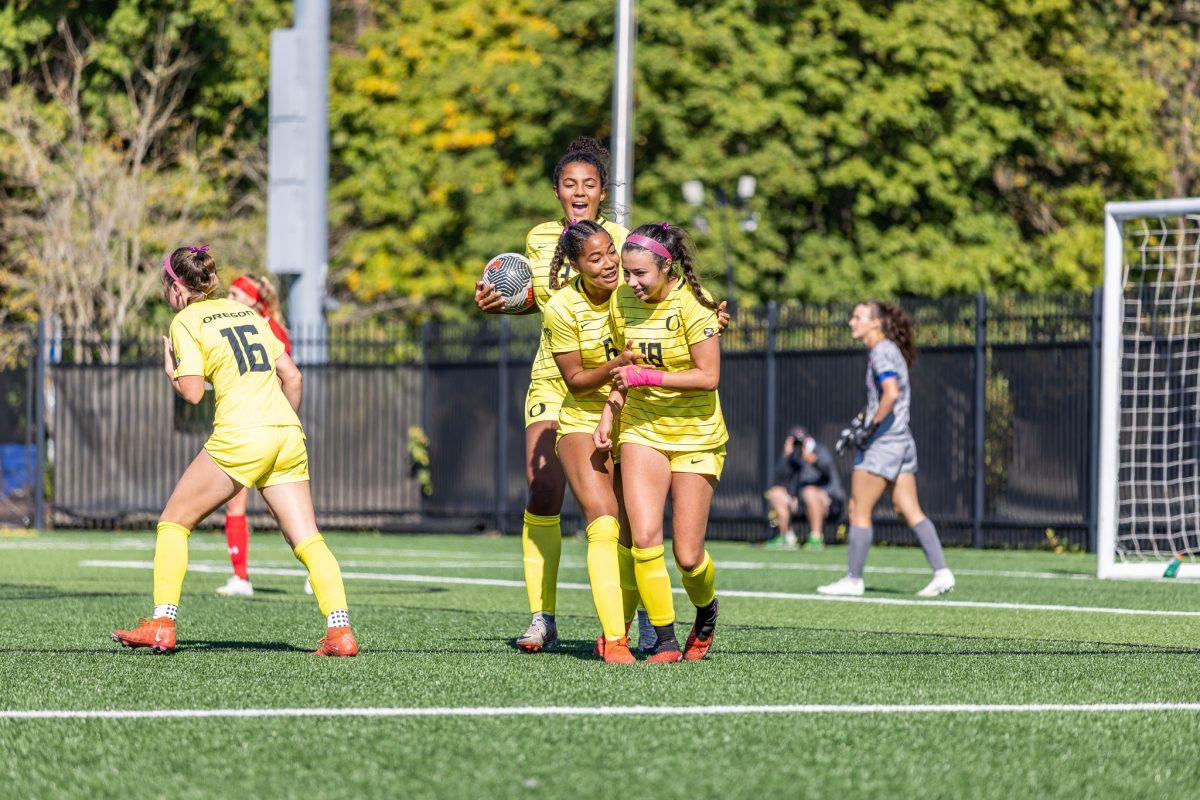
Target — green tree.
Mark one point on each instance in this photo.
(128, 127)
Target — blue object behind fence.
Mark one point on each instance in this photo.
(16, 467)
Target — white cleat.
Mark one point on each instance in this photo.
(943, 581)
(236, 587)
(541, 633)
(307, 586)
(843, 587)
(647, 636)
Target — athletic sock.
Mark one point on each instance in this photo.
(654, 584)
(706, 620)
(541, 545)
(701, 582)
(170, 564)
(165, 610)
(860, 543)
(666, 638)
(927, 536)
(604, 574)
(323, 573)
(338, 619)
(237, 537)
(629, 591)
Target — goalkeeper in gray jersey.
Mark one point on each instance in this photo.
(887, 454)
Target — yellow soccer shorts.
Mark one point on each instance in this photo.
(261, 456)
(701, 462)
(581, 422)
(544, 399)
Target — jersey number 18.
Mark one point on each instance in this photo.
(251, 356)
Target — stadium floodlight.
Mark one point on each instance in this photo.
(1148, 497)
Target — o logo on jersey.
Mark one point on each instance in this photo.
(537, 410)
(674, 318)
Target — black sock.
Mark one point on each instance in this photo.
(706, 620)
(666, 638)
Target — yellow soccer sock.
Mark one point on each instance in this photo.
(170, 563)
(541, 545)
(323, 573)
(701, 583)
(604, 574)
(654, 584)
(629, 591)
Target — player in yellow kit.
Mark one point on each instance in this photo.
(581, 184)
(671, 431)
(256, 441)
(576, 334)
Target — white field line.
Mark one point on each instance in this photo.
(601, 711)
(884, 601)
(460, 560)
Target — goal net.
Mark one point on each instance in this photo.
(1149, 478)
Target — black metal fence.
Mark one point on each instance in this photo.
(1004, 414)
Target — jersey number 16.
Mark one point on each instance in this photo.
(251, 356)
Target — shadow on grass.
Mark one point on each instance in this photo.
(217, 646)
(34, 592)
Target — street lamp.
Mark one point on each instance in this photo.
(727, 207)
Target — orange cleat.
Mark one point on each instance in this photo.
(696, 648)
(598, 650)
(618, 652)
(666, 657)
(158, 634)
(337, 642)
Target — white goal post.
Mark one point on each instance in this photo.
(1149, 472)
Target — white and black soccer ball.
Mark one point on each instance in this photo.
(512, 277)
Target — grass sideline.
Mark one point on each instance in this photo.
(448, 645)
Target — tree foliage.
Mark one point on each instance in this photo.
(906, 147)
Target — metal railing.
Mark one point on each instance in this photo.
(1003, 412)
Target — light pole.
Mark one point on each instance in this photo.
(727, 207)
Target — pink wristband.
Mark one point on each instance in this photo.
(643, 376)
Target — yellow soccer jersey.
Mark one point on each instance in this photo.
(233, 348)
(539, 249)
(572, 323)
(667, 419)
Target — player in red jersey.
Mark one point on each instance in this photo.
(259, 294)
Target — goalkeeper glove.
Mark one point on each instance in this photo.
(857, 433)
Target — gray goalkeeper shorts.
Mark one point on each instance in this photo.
(888, 456)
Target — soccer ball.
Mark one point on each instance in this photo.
(512, 277)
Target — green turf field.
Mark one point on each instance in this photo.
(433, 639)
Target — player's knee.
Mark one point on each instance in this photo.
(650, 537)
(687, 558)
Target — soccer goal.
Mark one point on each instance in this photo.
(1149, 492)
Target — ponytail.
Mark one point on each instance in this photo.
(195, 269)
(268, 299)
(896, 326)
(675, 241)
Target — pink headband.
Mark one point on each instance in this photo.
(649, 244)
(168, 270)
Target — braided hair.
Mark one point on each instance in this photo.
(570, 247)
(896, 326)
(585, 150)
(679, 245)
